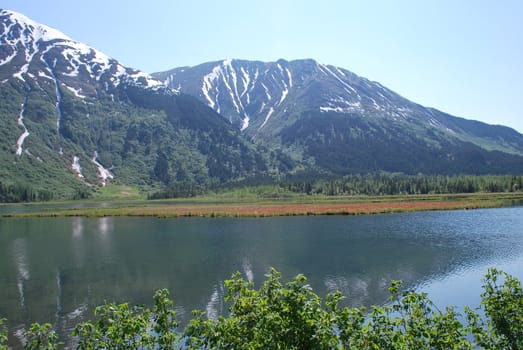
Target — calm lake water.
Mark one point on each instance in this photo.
(58, 269)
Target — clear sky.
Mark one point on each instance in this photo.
(464, 57)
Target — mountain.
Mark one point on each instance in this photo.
(74, 118)
(337, 122)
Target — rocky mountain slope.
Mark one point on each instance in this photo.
(74, 118)
(337, 121)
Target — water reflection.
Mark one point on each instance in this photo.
(58, 296)
(20, 259)
(78, 227)
(67, 266)
(105, 226)
(77, 242)
(247, 270)
(214, 307)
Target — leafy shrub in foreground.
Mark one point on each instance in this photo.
(291, 316)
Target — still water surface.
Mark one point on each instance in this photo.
(58, 269)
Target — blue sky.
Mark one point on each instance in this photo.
(464, 57)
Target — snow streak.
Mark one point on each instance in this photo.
(226, 74)
(271, 111)
(347, 86)
(76, 167)
(340, 105)
(103, 173)
(236, 83)
(208, 85)
(266, 91)
(22, 137)
(58, 96)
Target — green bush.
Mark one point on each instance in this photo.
(291, 316)
(3, 335)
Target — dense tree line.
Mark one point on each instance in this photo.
(291, 316)
(350, 185)
(178, 190)
(392, 184)
(11, 193)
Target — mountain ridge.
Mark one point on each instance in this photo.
(75, 119)
(272, 102)
(347, 93)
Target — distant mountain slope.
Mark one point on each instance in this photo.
(75, 118)
(337, 121)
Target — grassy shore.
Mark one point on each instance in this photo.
(218, 206)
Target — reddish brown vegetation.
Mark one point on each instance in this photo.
(310, 209)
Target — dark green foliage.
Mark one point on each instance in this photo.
(400, 184)
(23, 193)
(503, 303)
(117, 327)
(41, 337)
(3, 335)
(164, 321)
(276, 316)
(161, 168)
(352, 143)
(502, 300)
(409, 321)
(147, 139)
(178, 190)
(291, 316)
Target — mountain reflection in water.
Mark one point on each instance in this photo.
(58, 269)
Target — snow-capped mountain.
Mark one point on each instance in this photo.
(312, 110)
(75, 118)
(32, 51)
(251, 93)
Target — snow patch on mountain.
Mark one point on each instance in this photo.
(230, 71)
(76, 92)
(284, 93)
(341, 105)
(349, 89)
(40, 31)
(20, 35)
(246, 81)
(8, 58)
(31, 34)
(76, 167)
(289, 76)
(103, 173)
(269, 97)
(267, 117)
(225, 74)
(208, 85)
(245, 123)
(20, 121)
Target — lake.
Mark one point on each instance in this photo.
(58, 269)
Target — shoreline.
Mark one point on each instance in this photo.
(291, 207)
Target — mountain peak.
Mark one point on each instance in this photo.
(73, 117)
(29, 26)
(265, 100)
(33, 50)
